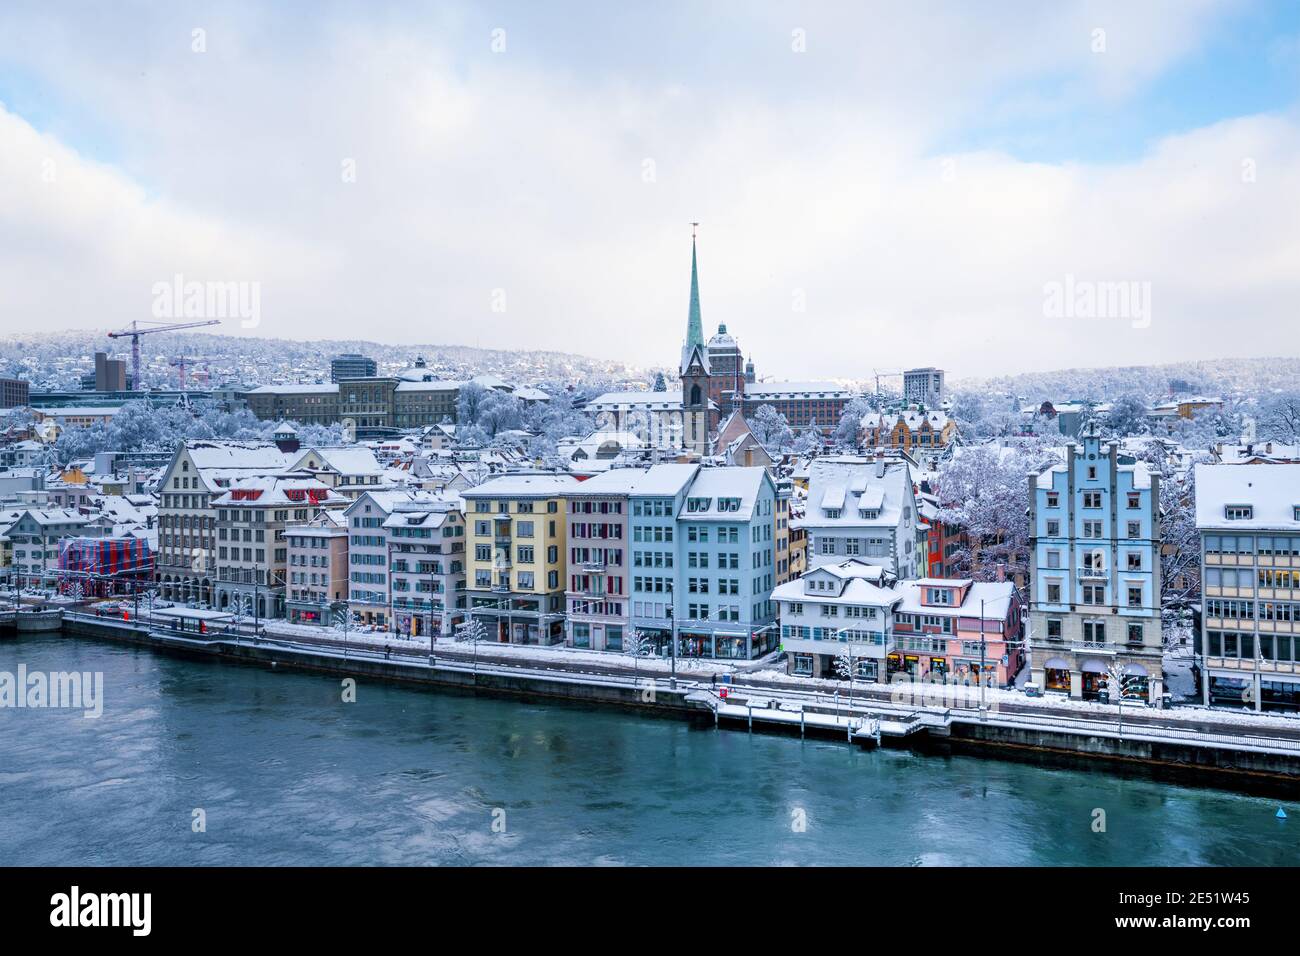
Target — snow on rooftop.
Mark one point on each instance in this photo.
(512, 486)
(1271, 490)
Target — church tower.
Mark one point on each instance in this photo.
(696, 418)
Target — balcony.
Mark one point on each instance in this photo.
(1093, 574)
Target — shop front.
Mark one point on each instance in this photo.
(1094, 678)
(1056, 675)
(1136, 683)
(1231, 692)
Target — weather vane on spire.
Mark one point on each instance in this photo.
(694, 225)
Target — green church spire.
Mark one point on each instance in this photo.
(694, 326)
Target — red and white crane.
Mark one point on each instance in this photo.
(135, 331)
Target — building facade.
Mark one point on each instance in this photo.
(426, 537)
(859, 508)
(352, 365)
(1249, 519)
(923, 386)
(318, 568)
(252, 555)
(517, 564)
(1095, 535)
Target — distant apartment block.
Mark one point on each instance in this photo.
(14, 392)
(352, 365)
(1249, 519)
(923, 386)
(110, 374)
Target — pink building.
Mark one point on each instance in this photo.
(955, 627)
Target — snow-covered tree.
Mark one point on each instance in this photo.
(1279, 418)
(985, 492)
(473, 632)
(468, 402)
(637, 645)
(850, 424)
(809, 441)
(771, 429)
(660, 384)
(1127, 416)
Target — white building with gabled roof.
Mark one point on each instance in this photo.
(860, 508)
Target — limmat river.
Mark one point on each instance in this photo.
(283, 771)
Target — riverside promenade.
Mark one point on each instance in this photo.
(1237, 751)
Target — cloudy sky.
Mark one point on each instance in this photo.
(879, 185)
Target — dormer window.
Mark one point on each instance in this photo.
(940, 596)
(1239, 512)
(870, 514)
(1295, 512)
(832, 512)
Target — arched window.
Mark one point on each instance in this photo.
(695, 395)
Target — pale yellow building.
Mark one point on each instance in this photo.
(516, 569)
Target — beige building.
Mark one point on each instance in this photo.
(252, 555)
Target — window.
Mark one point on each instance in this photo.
(1135, 633)
(1238, 512)
(1135, 561)
(1092, 529)
(1053, 559)
(1094, 632)
(1054, 628)
(1135, 529)
(1053, 499)
(1134, 499)
(1092, 499)
(1134, 597)
(1053, 529)
(1053, 592)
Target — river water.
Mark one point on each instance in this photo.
(285, 772)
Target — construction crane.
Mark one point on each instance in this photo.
(885, 373)
(135, 332)
(179, 363)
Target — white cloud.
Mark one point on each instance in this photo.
(813, 172)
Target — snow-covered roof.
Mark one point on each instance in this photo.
(851, 485)
(347, 459)
(648, 400)
(1271, 490)
(995, 595)
(786, 390)
(428, 386)
(298, 388)
(656, 481)
(716, 484)
(277, 490)
(524, 486)
(225, 455)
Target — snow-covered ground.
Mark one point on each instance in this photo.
(918, 694)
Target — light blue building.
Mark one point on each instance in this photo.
(1095, 584)
(703, 560)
